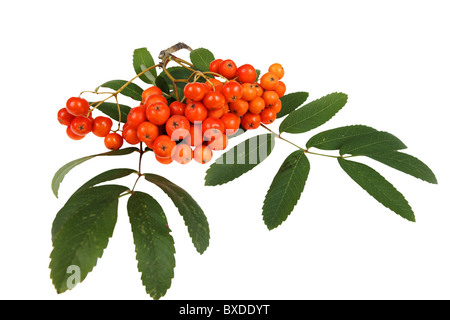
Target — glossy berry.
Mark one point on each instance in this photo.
(163, 160)
(72, 135)
(130, 135)
(214, 100)
(270, 98)
(136, 116)
(246, 73)
(232, 91)
(153, 90)
(101, 126)
(277, 106)
(147, 132)
(194, 91)
(81, 125)
(277, 69)
(231, 122)
(64, 117)
(228, 69)
(177, 107)
(249, 91)
(163, 146)
(269, 81)
(177, 127)
(77, 106)
(211, 127)
(216, 113)
(268, 115)
(154, 99)
(250, 121)
(239, 107)
(214, 85)
(195, 111)
(214, 65)
(259, 89)
(157, 113)
(256, 105)
(203, 154)
(280, 89)
(113, 141)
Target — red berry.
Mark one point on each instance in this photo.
(101, 126)
(64, 117)
(177, 127)
(214, 65)
(77, 106)
(194, 91)
(196, 111)
(214, 100)
(81, 125)
(232, 91)
(113, 141)
(246, 73)
(157, 113)
(250, 121)
(72, 135)
(228, 69)
(136, 116)
(177, 107)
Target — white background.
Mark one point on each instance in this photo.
(390, 57)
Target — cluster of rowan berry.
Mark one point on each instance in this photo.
(210, 112)
(79, 121)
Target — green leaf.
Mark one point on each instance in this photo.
(193, 215)
(334, 139)
(106, 176)
(81, 231)
(286, 188)
(155, 251)
(64, 170)
(201, 58)
(313, 114)
(161, 83)
(240, 159)
(372, 143)
(290, 102)
(378, 187)
(407, 164)
(132, 90)
(111, 110)
(142, 60)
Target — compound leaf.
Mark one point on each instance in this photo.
(286, 188)
(155, 250)
(193, 215)
(81, 231)
(313, 114)
(240, 159)
(378, 187)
